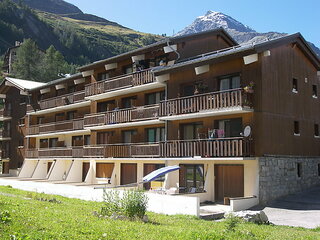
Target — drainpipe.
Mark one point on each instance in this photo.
(178, 54)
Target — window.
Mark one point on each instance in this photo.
(190, 131)
(71, 89)
(77, 140)
(127, 136)
(44, 143)
(40, 120)
(86, 140)
(299, 169)
(21, 141)
(191, 178)
(231, 82)
(71, 115)
(231, 127)
(127, 69)
(154, 98)
(296, 128)
(319, 169)
(314, 91)
(53, 142)
(106, 106)
(155, 134)
(102, 76)
(128, 102)
(294, 85)
(316, 130)
(59, 117)
(23, 100)
(103, 137)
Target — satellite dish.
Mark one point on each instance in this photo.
(247, 131)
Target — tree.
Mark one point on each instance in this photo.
(27, 61)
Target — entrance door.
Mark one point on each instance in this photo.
(228, 181)
(85, 170)
(49, 166)
(128, 173)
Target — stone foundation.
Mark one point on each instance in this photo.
(278, 175)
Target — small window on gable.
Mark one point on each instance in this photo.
(316, 130)
(294, 85)
(299, 170)
(296, 128)
(314, 91)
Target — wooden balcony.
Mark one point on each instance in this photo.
(59, 101)
(122, 116)
(204, 148)
(70, 125)
(62, 152)
(222, 147)
(203, 103)
(123, 150)
(120, 82)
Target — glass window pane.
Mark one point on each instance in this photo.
(224, 84)
(235, 83)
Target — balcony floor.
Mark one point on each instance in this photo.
(209, 113)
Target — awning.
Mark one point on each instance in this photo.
(159, 172)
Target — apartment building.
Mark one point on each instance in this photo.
(239, 120)
(14, 98)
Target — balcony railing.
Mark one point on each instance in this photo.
(124, 81)
(5, 112)
(64, 152)
(122, 115)
(62, 100)
(222, 147)
(205, 148)
(203, 102)
(70, 125)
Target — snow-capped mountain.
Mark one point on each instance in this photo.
(240, 32)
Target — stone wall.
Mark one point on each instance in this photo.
(279, 175)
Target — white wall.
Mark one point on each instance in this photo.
(60, 170)
(41, 170)
(239, 204)
(28, 168)
(75, 174)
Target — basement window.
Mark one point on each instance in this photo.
(316, 130)
(296, 128)
(295, 85)
(314, 91)
(299, 170)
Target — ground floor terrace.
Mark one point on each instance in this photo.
(213, 180)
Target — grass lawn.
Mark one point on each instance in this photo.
(74, 219)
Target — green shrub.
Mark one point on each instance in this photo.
(5, 217)
(232, 222)
(112, 203)
(132, 204)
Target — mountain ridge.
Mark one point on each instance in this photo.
(238, 31)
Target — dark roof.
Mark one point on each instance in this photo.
(157, 45)
(245, 49)
(57, 81)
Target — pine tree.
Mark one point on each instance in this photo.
(27, 61)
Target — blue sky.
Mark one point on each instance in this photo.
(168, 16)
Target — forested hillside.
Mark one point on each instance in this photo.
(80, 41)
